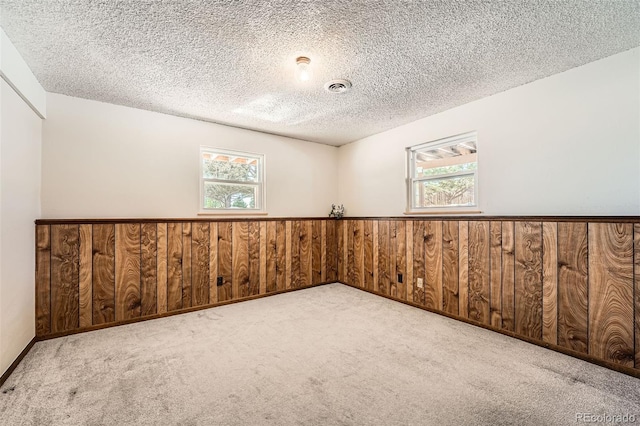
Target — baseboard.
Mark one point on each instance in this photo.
(177, 312)
(15, 363)
(556, 348)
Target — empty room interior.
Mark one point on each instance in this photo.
(318, 212)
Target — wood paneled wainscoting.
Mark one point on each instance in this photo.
(570, 284)
(95, 273)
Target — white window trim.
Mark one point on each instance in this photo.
(410, 173)
(261, 200)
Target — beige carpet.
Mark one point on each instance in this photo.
(329, 355)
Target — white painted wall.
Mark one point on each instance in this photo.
(106, 161)
(568, 144)
(20, 143)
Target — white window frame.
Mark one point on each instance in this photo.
(411, 174)
(261, 196)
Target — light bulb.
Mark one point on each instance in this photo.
(303, 70)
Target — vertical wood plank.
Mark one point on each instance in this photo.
(332, 251)
(463, 269)
(340, 256)
(281, 255)
(103, 271)
(409, 282)
(161, 265)
(288, 255)
(272, 254)
(401, 263)
(393, 254)
(345, 250)
(358, 253)
(225, 261)
(85, 274)
(350, 260)
(611, 307)
(528, 279)
(240, 248)
(43, 280)
(305, 253)
(174, 266)
(636, 279)
(148, 269)
(573, 286)
(479, 286)
(508, 276)
(316, 251)
(295, 254)
(254, 258)
(419, 257)
(433, 264)
(368, 254)
(127, 271)
(495, 273)
(263, 257)
(450, 266)
(383, 257)
(213, 262)
(550, 282)
(376, 254)
(323, 251)
(64, 277)
(200, 279)
(186, 265)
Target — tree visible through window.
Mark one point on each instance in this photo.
(443, 173)
(231, 180)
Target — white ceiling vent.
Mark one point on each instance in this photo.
(337, 86)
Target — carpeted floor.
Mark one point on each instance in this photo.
(329, 355)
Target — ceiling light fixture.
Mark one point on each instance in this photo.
(303, 70)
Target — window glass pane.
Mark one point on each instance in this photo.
(228, 167)
(227, 196)
(443, 170)
(446, 159)
(452, 191)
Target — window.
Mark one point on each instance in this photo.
(443, 173)
(231, 181)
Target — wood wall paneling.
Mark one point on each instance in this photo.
(479, 271)
(636, 268)
(383, 257)
(148, 268)
(174, 266)
(611, 335)
(281, 259)
(393, 249)
(225, 261)
(528, 279)
(409, 281)
(433, 264)
(213, 262)
(450, 267)
(508, 276)
(240, 271)
(200, 261)
(400, 260)
(316, 251)
(495, 273)
(127, 271)
(305, 253)
(103, 271)
(272, 254)
(43, 280)
(367, 251)
(463, 269)
(254, 258)
(187, 266)
(85, 290)
(550, 282)
(296, 280)
(572, 286)
(358, 253)
(65, 303)
(332, 251)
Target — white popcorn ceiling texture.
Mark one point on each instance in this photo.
(232, 62)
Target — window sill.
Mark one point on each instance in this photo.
(442, 212)
(233, 213)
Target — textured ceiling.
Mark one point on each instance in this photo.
(232, 62)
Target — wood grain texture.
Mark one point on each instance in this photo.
(187, 266)
(611, 335)
(305, 253)
(288, 255)
(572, 286)
(345, 249)
(161, 267)
(419, 237)
(127, 271)
(316, 252)
(272, 255)
(295, 254)
(200, 279)
(367, 254)
(332, 251)
(240, 248)
(148, 269)
(65, 246)
(409, 281)
(323, 251)
(263, 258)
(550, 282)
(383, 257)
(213, 262)
(254, 258)
(636, 279)
(358, 253)
(281, 260)
(463, 269)
(340, 245)
(495, 273)
(450, 267)
(103, 271)
(225, 261)
(85, 275)
(400, 261)
(174, 266)
(528, 279)
(393, 252)
(350, 260)
(433, 264)
(479, 270)
(376, 253)
(508, 275)
(43, 280)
